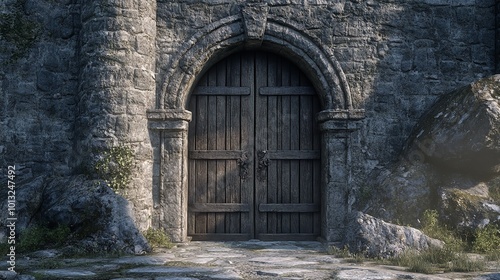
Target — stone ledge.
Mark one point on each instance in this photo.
(168, 119)
(168, 115)
(341, 114)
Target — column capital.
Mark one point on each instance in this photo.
(341, 114)
(169, 119)
(340, 121)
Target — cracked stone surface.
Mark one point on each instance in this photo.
(225, 260)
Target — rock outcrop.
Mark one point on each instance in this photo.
(376, 238)
(99, 219)
(451, 163)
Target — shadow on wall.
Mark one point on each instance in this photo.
(423, 51)
(99, 220)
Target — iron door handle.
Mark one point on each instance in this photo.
(262, 164)
(243, 163)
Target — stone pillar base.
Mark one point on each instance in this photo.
(172, 193)
(337, 127)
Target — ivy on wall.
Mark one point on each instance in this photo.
(115, 167)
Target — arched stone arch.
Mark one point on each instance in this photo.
(225, 36)
(253, 29)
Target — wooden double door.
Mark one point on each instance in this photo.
(254, 152)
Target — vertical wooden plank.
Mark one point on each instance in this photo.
(316, 190)
(306, 166)
(312, 169)
(248, 142)
(211, 145)
(285, 144)
(192, 166)
(295, 131)
(201, 165)
(261, 135)
(220, 135)
(273, 126)
(233, 187)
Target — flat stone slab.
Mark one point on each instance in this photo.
(221, 255)
(104, 267)
(233, 260)
(159, 259)
(377, 274)
(493, 276)
(229, 274)
(166, 270)
(66, 272)
(283, 272)
(281, 261)
(175, 278)
(131, 279)
(202, 260)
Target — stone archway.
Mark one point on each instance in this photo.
(254, 28)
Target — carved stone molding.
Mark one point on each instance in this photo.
(254, 20)
(165, 119)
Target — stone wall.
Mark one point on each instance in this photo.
(95, 67)
(38, 82)
(397, 56)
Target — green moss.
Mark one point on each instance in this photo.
(463, 200)
(115, 167)
(157, 238)
(37, 238)
(18, 30)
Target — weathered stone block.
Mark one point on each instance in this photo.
(376, 238)
(144, 79)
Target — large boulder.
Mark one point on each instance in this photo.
(450, 163)
(99, 220)
(376, 238)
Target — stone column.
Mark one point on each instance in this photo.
(171, 194)
(117, 86)
(337, 127)
(497, 37)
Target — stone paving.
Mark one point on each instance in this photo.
(223, 260)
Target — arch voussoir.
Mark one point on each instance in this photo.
(220, 38)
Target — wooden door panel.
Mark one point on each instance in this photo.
(253, 152)
(261, 141)
(290, 206)
(217, 163)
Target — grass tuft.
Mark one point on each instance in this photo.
(37, 238)
(487, 239)
(435, 260)
(157, 238)
(344, 253)
(432, 227)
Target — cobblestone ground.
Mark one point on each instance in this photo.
(223, 260)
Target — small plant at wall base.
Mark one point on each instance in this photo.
(435, 260)
(433, 228)
(37, 238)
(115, 167)
(157, 238)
